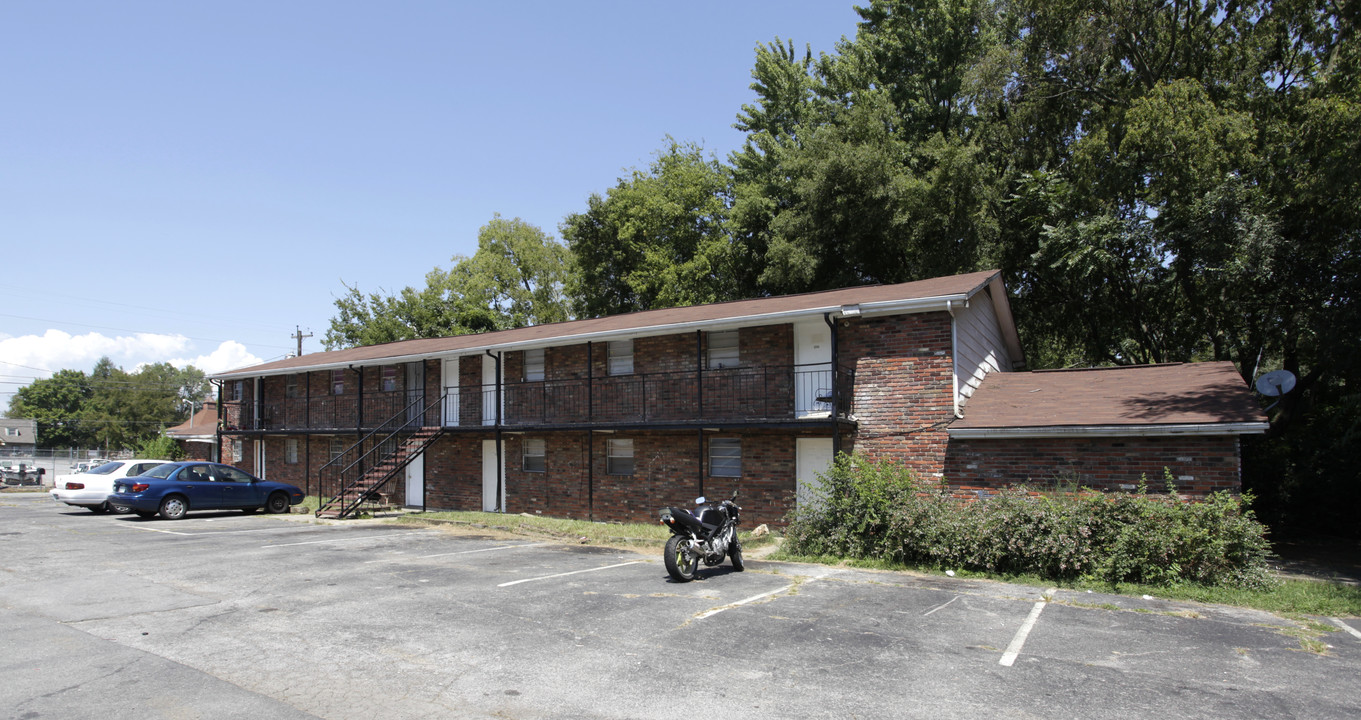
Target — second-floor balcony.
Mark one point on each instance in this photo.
(791, 394)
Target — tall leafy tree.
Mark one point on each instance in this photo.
(657, 239)
(516, 278)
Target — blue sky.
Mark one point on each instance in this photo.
(187, 182)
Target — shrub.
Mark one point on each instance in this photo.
(881, 510)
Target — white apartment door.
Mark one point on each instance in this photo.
(415, 482)
(449, 376)
(813, 370)
(812, 456)
(260, 459)
(489, 394)
(489, 474)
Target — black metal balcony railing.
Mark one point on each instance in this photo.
(684, 397)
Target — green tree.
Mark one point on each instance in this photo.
(657, 239)
(55, 403)
(516, 278)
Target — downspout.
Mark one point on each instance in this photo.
(836, 391)
(359, 418)
(954, 357)
(590, 435)
(221, 417)
(699, 389)
(500, 463)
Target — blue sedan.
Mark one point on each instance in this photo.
(174, 489)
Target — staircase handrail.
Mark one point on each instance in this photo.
(344, 469)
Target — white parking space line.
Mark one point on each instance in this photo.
(1354, 632)
(464, 552)
(346, 539)
(740, 603)
(574, 572)
(205, 532)
(1014, 649)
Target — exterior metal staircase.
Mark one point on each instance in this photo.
(354, 479)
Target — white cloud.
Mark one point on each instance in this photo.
(228, 356)
(36, 355)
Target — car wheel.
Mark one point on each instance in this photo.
(118, 509)
(277, 503)
(174, 507)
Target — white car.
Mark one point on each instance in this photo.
(91, 489)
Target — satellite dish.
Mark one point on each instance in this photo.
(1276, 383)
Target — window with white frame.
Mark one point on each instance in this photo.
(238, 390)
(389, 378)
(335, 449)
(11, 432)
(621, 357)
(534, 365)
(291, 451)
(237, 453)
(337, 382)
(291, 386)
(722, 349)
(725, 457)
(618, 457)
(535, 455)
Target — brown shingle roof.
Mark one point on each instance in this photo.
(952, 287)
(204, 423)
(1184, 394)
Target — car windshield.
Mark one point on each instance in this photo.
(106, 468)
(161, 471)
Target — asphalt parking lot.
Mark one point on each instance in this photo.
(223, 615)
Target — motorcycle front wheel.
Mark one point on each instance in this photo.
(679, 561)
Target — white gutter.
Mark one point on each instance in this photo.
(888, 307)
(1062, 431)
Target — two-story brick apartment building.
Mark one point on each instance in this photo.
(611, 418)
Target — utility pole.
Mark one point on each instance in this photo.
(299, 336)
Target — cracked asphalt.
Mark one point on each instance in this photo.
(223, 615)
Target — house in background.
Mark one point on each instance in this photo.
(611, 418)
(197, 436)
(18, 437)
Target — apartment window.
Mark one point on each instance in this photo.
(335, 449)
(337, 382)
(11, 432)
(725, 457)
(291, 386)
(621, 357)
(291, 451)
(236, 451)
(389, 378)
(722, 349)
(238, 390)
(619, 457)
(534, 365)
(535, 455)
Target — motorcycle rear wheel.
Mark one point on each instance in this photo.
(680, 563)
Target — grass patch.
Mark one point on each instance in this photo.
(1292, 598)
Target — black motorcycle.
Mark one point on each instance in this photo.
(709, 533)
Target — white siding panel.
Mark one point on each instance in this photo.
(981, 349)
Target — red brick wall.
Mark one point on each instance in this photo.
(1200, 465)
(904, 385)
(453, 472)
(666, 472)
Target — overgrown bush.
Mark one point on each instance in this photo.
(881, 510)
(160, 447)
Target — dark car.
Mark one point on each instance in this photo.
(176, 488)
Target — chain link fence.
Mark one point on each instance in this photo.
(20, 465)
